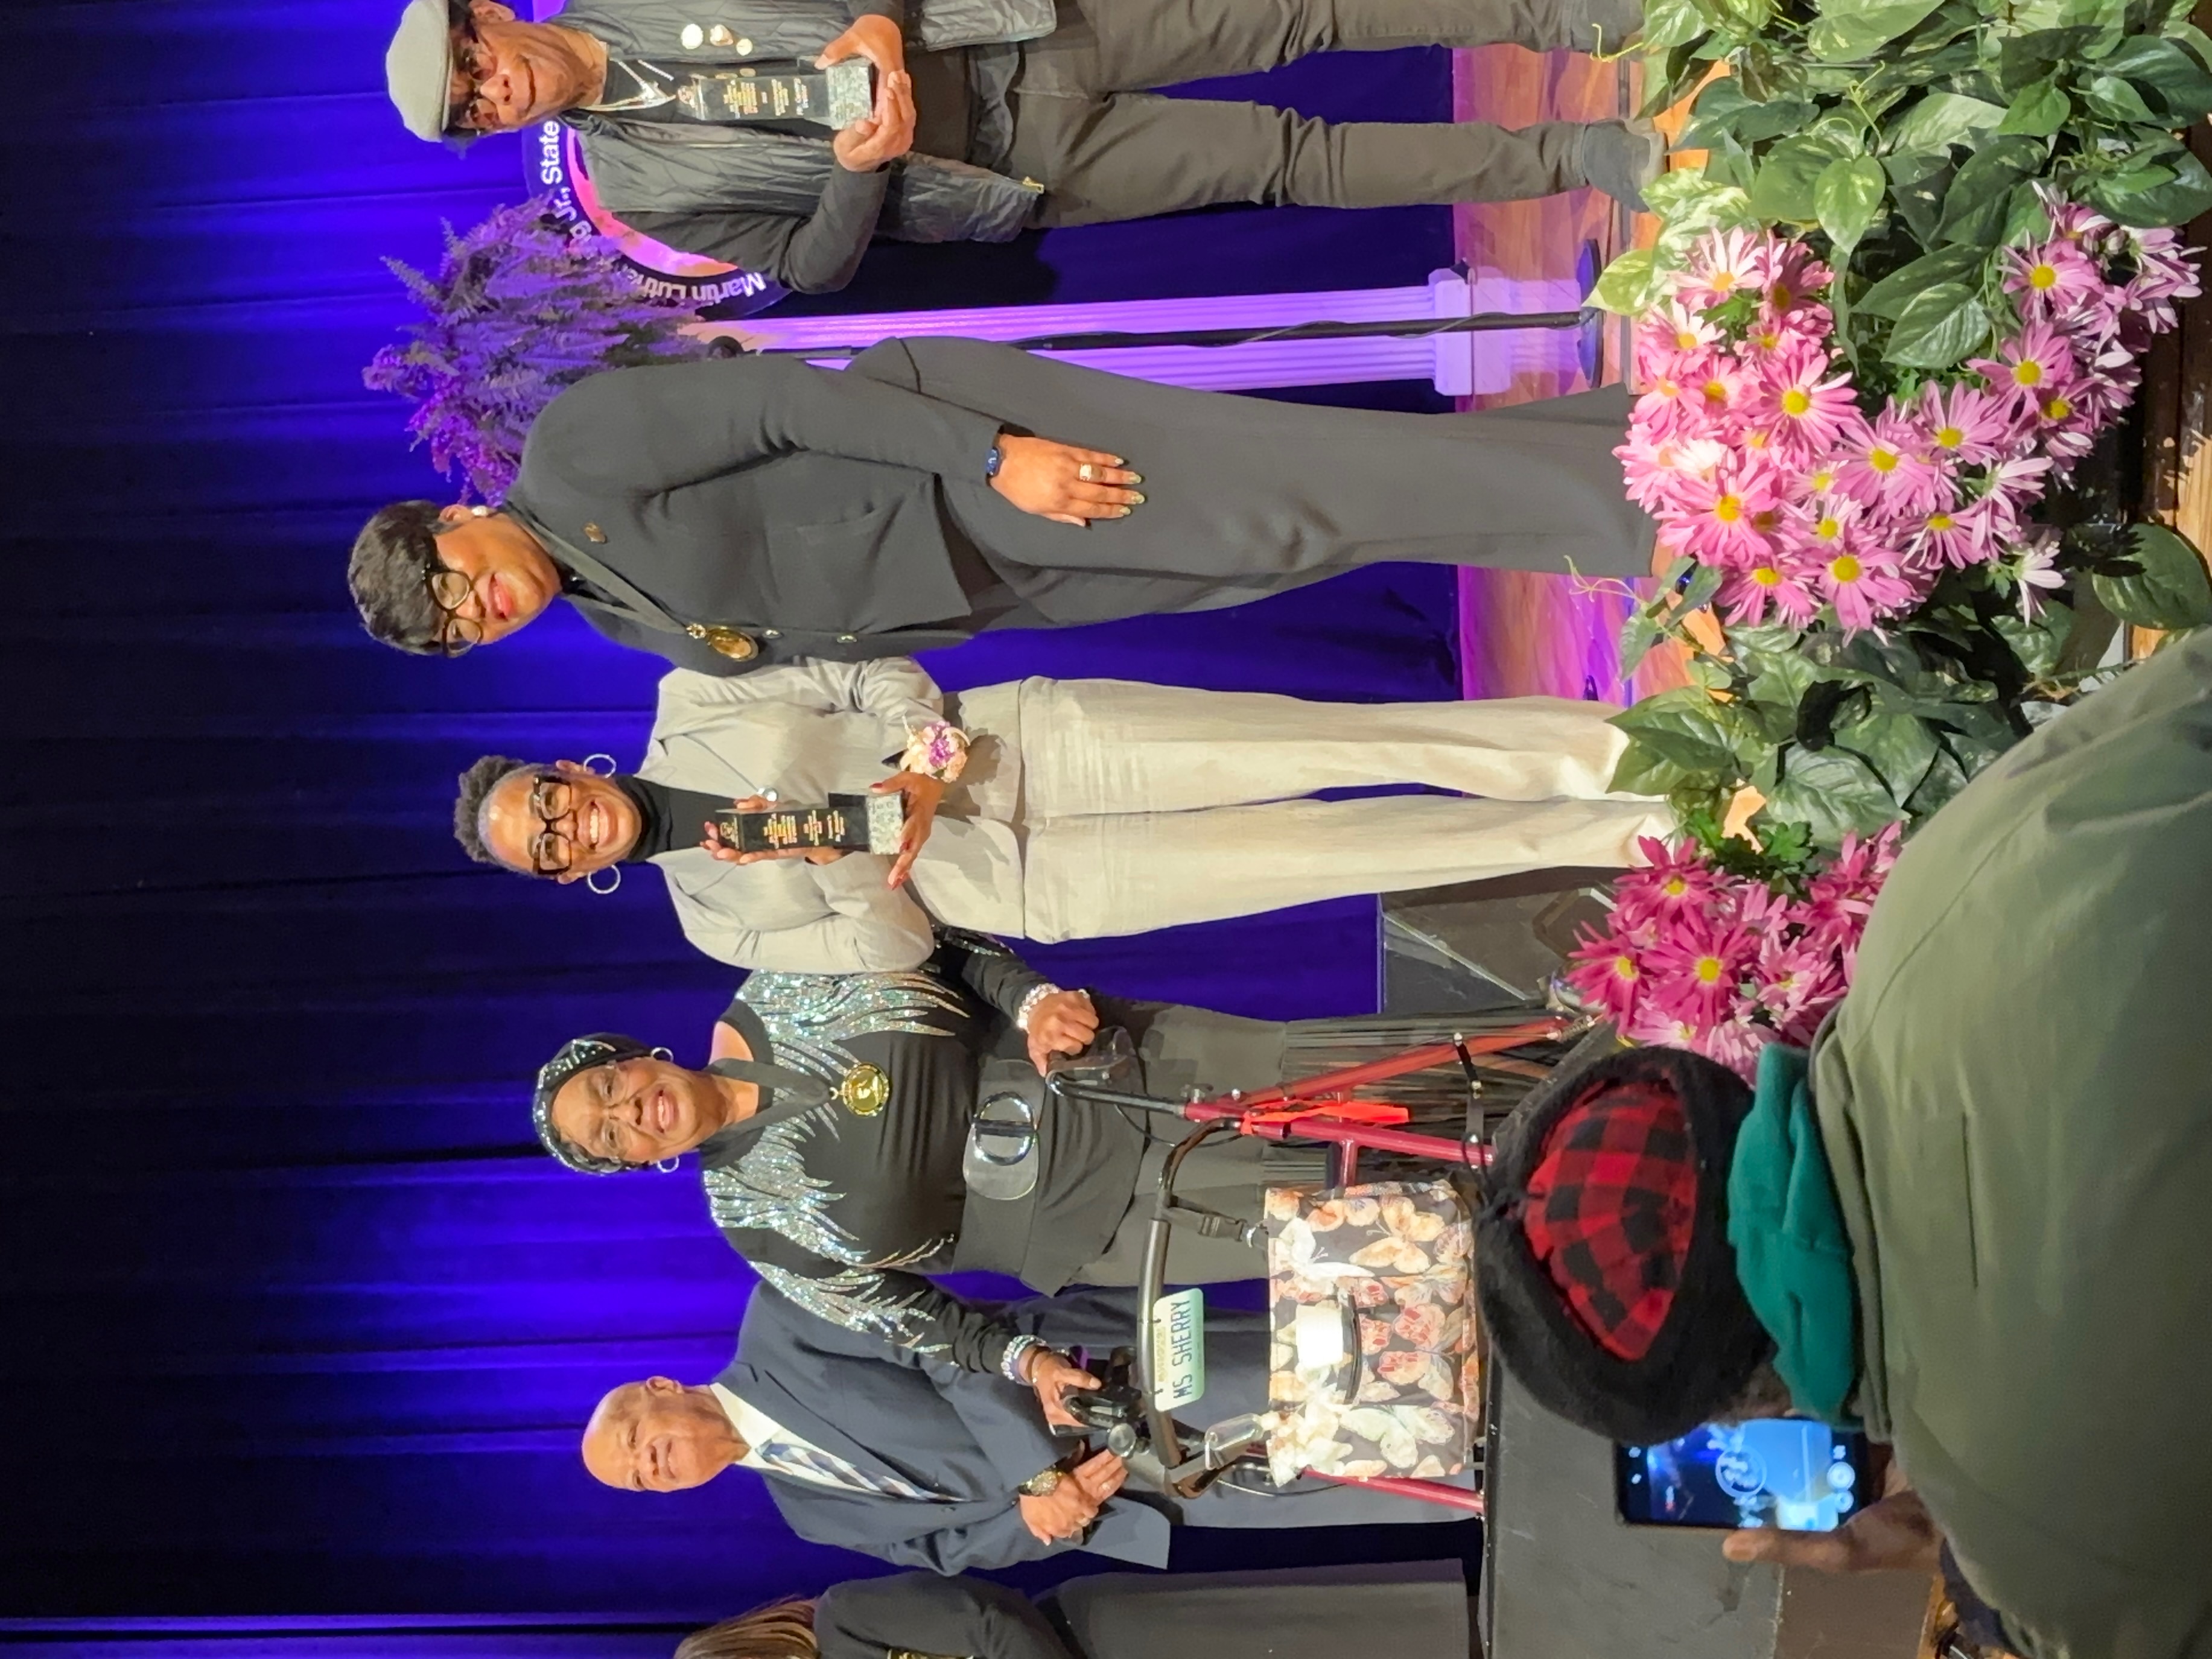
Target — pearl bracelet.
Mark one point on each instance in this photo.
(1038, 993)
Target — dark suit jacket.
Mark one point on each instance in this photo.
(805, 502)
(821, 510)
(970, 1436)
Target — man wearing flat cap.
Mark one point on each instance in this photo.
(990, 116)
(1973, 1219)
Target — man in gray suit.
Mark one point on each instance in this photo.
(878, 1448)
(740, 511)
(991, 116)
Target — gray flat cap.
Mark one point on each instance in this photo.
(418, 68)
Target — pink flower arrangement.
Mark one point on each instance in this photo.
(1699, 959)
(1751, 447)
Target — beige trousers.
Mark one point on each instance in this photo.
(1136, 807)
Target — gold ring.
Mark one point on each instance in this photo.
(1087, 472)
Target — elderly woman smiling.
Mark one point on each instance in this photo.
(856, 1133)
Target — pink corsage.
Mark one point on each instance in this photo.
(938, 750)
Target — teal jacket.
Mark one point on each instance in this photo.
(2016, 1103)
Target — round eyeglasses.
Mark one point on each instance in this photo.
(450, 591)
(553, 798)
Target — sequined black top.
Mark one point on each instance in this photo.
(843, 1205)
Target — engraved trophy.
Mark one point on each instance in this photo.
(834, 98)
(855, 823)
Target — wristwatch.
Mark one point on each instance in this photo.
(992, 462)
(1044, 1483)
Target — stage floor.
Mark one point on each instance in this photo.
(1520, 634)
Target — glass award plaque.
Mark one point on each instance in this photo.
(854, 824)
(834, 98)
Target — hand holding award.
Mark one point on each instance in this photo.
(886, 132)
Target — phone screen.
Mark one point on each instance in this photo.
(1770, 1472)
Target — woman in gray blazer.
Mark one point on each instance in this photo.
(1413, 1611)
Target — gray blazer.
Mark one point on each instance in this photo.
(808, 730)
(775, 202)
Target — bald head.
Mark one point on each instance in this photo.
(659, 1435)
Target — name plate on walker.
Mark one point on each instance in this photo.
(1178, 1349)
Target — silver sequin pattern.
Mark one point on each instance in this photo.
(810, 1017)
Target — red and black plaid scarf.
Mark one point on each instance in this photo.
(1611, 1208)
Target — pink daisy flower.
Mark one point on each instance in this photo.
(1965, 425)
(1659, 469)
(1719, 395)
(1697, 969)
(1775, 581)
(2035, 569)
(1792, 973)
(1669, 886)
(1667, 405)
(2014, 486)
(1865, 585)
(1607, 973)
(1794, 277)
(1672, 330)
(1726, 264)
(2028, 367)
(1655, 1030)
(1720, 519)
(1887, 469)
(2052, 280)
(1957, 537)
(1735, 1044)
(1802, 413)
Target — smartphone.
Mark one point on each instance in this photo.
(1770, 1472)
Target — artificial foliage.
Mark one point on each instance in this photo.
(1886, 340)
(521, 307)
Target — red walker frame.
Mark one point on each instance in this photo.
(1317, 1109)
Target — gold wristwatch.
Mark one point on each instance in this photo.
(1044, 1483)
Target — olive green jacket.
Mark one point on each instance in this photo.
(2016, 1101)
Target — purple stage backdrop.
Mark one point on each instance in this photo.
(299, 1322)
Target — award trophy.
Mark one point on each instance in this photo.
(834, 98)
(858, 824)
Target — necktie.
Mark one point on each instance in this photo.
(802, 1462)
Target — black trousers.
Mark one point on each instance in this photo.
(1087, 127)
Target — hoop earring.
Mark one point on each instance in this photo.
(595, 770)
(592, 880)
(664, 1054)
(668, 1165)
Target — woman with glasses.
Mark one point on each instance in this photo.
(1052, 810)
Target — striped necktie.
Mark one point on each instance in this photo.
(784, 1455)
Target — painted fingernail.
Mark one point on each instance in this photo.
(1136, 477)
(1137, 498)
(1124, 511)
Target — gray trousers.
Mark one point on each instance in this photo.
(1087, 127)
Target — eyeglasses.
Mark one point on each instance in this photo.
(478, 64)
(451, 591)
(553, 798)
